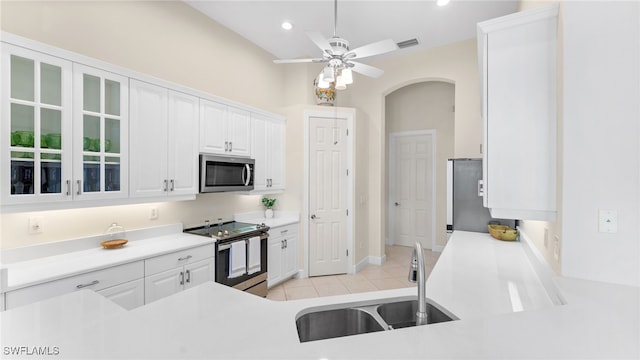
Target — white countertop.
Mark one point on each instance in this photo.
(214, 321)
(48, 268)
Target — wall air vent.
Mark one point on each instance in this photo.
(408, 43)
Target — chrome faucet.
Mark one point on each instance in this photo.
(417, 273)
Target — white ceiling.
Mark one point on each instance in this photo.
(359, 21)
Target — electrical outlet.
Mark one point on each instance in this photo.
(556, 247)
(546, 238)
(154, 213)
(35, 225)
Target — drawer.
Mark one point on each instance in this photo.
(178, 258)
(95, 280)
(283, 231)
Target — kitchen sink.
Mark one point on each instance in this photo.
(328, 324)
(403, 314)
(340, 320)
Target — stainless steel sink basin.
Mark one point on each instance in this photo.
(364, 317)
(335, 323)
(403, 314)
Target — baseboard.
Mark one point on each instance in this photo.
(542, 269)
(438, 248)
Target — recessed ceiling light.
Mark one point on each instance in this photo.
(442, 2)
(287, 25)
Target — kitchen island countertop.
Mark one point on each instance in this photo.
(213, 321)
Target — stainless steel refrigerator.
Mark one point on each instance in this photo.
(464, 198)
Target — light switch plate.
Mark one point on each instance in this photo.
(608, 221)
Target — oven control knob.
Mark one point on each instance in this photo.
(219, 233)
(226, 232)
(263, 225)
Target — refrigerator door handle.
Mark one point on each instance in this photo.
(480, 188)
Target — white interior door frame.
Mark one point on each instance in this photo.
(330, 113)
(393, 137)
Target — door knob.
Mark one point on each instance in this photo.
(397, 204)
(314, 216)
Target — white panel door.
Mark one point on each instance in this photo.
(129, 295)
(213, 127)
(239, 132)
(183, 144)
(412, 190)
(327, 196)
(163, 284)
(198, 273)
(148, 125)
(259, 151)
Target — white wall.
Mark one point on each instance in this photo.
(601, 132)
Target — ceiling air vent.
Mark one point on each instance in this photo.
(408, 43)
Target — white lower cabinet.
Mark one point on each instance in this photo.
(282, 260)
(129, 295)
(172, 273)
(95, 280)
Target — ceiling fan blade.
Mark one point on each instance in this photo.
(291, 61)
(372, 49)
(367, 70)
(320, 41)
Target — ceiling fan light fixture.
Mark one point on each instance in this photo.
(340, 84)
(321, 83)
(328, 75)
(347, 76)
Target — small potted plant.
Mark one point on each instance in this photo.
(268, 203)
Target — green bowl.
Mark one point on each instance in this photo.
(24, 138)
(54, 141)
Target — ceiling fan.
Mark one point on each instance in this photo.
(340, 58)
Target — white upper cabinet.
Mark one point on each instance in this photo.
(517, 55)
(183, 143)
(36, 127)
(100, 134)
(164, 144)
(268, 149)
(224, 129)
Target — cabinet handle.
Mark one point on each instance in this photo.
(230, 146)
(94, 282)
(68, 187)
(173, 184)
(166, 185)
(286, 243)
(226, 146)
(281, 244)
(185, 258)
(480, 188)
(79, 190)
(188, 276)
(181, 278)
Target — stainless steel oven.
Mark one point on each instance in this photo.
(250, 243)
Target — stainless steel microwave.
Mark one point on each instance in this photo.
(225, 173)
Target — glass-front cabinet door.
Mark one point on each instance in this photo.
(36, 127)
(100, 134)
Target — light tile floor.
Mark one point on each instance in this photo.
(391, 275)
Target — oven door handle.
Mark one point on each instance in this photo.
(227, 246)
